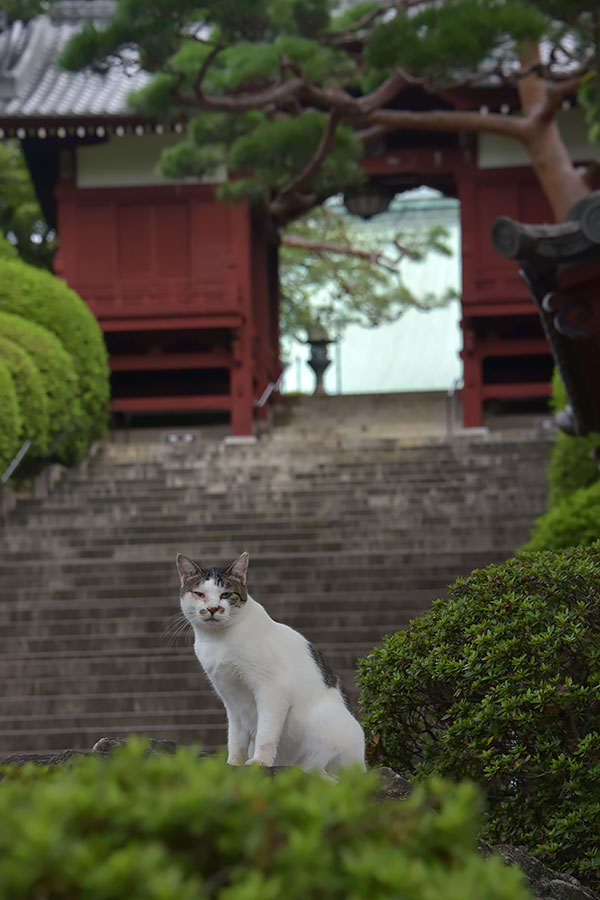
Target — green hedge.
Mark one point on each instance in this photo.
(7, 251)
(500, 683)
(176, 828)
(40, 297)
(572, 465)
(60, 382)
(10, 417)
(31, 396)
(575, 521)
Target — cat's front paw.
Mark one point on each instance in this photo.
(257, 762)
(236, 761)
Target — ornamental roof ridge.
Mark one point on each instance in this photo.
(79, 10)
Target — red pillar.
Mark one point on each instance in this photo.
(471, 395)
(242, 370)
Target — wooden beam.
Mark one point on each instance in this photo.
(158, 362)
(171, 323)
(520, 389)
(170, 404)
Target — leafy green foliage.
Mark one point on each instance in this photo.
(10, 416)
(293, 59)
(7, 251)
(572, 466)
(29, 387)
(20, 215)
(23, 10)
(278, 149)
(442, 38)
(572, 522)
(176, 828)
(572, 461)
(66, 419)
(500, 683)
(334, 274)
(41, 298)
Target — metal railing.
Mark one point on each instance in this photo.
(18, 458)
(15, 461)
(451, 405)
(270, 388)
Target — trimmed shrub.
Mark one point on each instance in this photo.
(7, 251)
(500, 683)
(572, 464)
(10, 417)
(31, 396)
(575, 521)
(60, 384)
(40, 297)
(179, 828)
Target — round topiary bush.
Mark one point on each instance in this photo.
(31, 396)
(501, 683)
(10, 417)
(575, 521)
(40, 297)
(179, 828)
(67, 421)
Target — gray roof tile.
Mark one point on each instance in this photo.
(33, 87)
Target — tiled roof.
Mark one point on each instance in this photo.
(32, 87)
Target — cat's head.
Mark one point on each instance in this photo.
(212, 598)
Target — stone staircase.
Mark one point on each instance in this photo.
(348, 541)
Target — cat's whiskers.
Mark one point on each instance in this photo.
(177, 626)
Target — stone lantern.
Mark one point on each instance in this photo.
(319, 361)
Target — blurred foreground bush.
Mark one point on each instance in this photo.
(179, 828)
(500, 683)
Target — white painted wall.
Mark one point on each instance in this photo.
(496, 152)
(126, 161)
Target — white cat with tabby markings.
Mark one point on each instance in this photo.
(284, 705)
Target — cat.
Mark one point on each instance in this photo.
(284, 705)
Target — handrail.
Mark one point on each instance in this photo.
(15, 461)
(451, 404)
(270, 388)
(18, 459)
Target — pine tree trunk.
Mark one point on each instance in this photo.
(562, 182)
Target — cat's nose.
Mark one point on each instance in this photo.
(213, 609)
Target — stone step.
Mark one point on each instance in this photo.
(209, 736)
(59, 687)
(76, 625)
(267, 567)
(34, 607)
(208, 506)
(349, 541)
(136, 661)
(143, 639)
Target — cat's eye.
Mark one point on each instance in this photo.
(226, 595)
(198, 594)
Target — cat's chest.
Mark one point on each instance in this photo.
(224, 665)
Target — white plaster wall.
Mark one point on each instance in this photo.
(125, 161)
(495, 151)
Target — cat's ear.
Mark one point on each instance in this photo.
(239, 568)
(187, 567)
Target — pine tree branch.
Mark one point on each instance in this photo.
(445, 120)
(313, 166)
